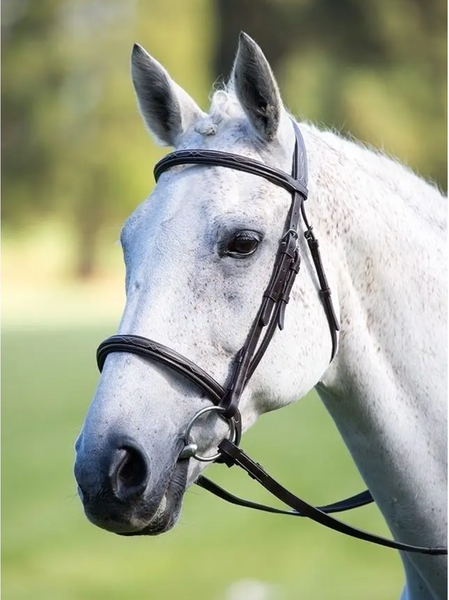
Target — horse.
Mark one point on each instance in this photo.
(199, 255)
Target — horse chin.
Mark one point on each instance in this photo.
(162, 521)
(167, 513)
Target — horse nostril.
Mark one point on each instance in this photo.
(129, 472)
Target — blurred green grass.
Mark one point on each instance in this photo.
(51, 552)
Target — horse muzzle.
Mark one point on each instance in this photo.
(119, 493)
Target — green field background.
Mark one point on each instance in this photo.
(51, 552)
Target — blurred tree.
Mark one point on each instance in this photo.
(32, 72)
(59, 109)
(375, 68)
(73, 143)
(74, 147)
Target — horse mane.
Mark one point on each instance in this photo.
(392, 175)
(391, 172)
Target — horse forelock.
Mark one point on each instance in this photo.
(224, 106)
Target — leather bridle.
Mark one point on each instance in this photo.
(269, 316)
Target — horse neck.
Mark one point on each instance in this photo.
(382, 232)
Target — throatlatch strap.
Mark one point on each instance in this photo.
(325, 291)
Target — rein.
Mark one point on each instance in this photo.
(269, 316)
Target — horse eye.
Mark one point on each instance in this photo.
(243, 244)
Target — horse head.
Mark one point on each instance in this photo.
(199, 255)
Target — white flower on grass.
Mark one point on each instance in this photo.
(250, 589)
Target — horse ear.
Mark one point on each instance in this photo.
(256, 88)
(167, 110)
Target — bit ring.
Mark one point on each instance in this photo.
(190, 448)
